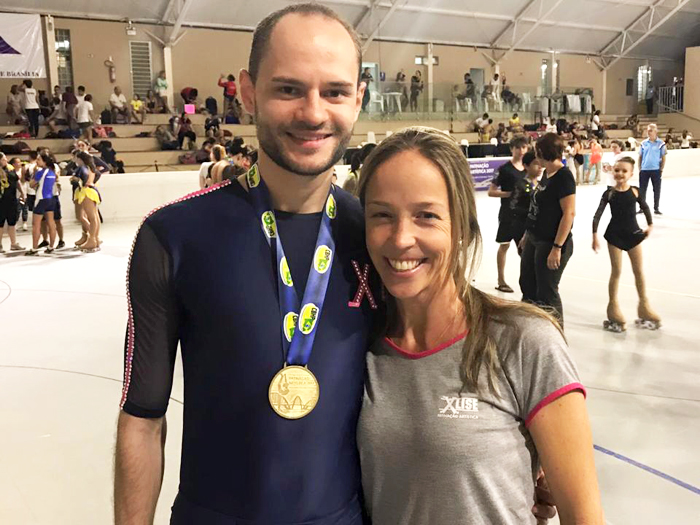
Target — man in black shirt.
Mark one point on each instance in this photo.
(502, 186)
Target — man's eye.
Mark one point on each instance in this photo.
(288, 90)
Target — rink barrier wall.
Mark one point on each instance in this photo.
(131, 196)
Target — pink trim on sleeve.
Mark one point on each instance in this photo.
(553, 397)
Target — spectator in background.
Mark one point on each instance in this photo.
(220, 160)
(649, 97)
(85, 117)
(481, 122)
(204, 153)
(189, 95)
(45, 108)
(14, 105)
(57, 92)
(652, 159)
(70, 101)
(502, 133)
(138, 109)
(30, 105)
(686, 137)
(119, 106)
(152, 103)
(229, 85)
(9, 189)
(185, 131)
(402, 87)
(161, 87)
(367, 78)
(81, 94)
(58, 117)
(514, 124)
(596, 127)
(471, 88)
(510, 98)
(496, 87)
(416, 89)
(358, 159)
(166, 138)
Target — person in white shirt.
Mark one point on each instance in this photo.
(117, 102)
(14, 105)
(81, 94)
(85, 116)
(496, 87)
(58, 117)
(610, 158)
(685, 139)
(595, 124)
(481, 122)
(30, 106)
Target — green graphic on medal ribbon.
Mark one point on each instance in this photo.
(290, 324)
(285, 274)
(253, 177)
(269, 224)
(331, 208)
(323, 258)
(308, 318)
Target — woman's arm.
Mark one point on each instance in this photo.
(562, 434)
(568, 208)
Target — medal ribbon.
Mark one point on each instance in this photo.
(299, 319)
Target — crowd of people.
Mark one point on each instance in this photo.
(538, 204)
(34, 186)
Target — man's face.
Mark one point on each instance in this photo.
(118, 91)
(653, 133)
(306, 98)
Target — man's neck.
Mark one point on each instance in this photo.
(292, 192)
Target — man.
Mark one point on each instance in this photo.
(650, 98)
(242, 459)
(70, 102)
(81, 94)
(481, 123)
(117, 101)
(502, 187)
(652, 159)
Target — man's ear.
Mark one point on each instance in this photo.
(247, 91)
(358, 100)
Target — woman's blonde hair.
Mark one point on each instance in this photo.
(480, 308)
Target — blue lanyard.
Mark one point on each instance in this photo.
(298, 319)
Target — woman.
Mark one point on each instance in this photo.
(595, 161)
(358, 159)
(416, 89)
(466, 393)
(578, 159)
(220, 160)
(165, 138)
(161, 87)
(185, 131)
(43, 182)
(152, 103)
(9, 203)
(229, 86)
(685, 139)
(88, 198)
(30, 106)
(548, 245)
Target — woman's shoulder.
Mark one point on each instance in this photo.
(521, 331)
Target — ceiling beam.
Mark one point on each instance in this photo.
(628, 43)
(522, 37)
(174, 32)
(514, 23)
(367, 14)
(622, 34)
(168, 10)
(380, 24)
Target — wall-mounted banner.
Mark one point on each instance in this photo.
(21, 47)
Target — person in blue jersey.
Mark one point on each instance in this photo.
(273, 345)
(43, 182)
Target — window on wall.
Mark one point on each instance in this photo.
(643, 79)
(141, 72)
(64, 57)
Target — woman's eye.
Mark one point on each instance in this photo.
(427, 215)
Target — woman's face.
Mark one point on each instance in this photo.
(408, 225)
(17, 165)
(40, 162)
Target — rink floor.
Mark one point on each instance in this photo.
(63, 321)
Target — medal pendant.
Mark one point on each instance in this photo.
(293, 392)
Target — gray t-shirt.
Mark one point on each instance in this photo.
(431, 454)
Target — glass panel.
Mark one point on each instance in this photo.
(64, 58)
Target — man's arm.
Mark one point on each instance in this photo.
(139, 463)
(663, 159)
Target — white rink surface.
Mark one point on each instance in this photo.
(63, 323)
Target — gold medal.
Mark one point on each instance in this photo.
(293, 392)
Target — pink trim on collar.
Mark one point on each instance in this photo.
(425, 353)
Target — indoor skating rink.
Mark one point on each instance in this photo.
(63, 322)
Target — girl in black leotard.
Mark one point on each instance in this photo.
(623, 233)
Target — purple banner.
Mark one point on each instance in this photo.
(484, 170)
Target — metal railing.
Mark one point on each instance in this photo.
(670, 99)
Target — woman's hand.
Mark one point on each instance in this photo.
(647, 232)
(521, 244)
(596, 244)
(554, 259)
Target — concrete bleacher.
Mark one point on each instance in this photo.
(143, 153)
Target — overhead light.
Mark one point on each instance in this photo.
(130, 29)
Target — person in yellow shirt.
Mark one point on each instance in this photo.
(138, 110)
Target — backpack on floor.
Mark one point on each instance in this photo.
(106, 117)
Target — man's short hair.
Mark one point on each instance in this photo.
(652, 126)
(529, 158)
(518, 142)
(81, 88)
(263, 32)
